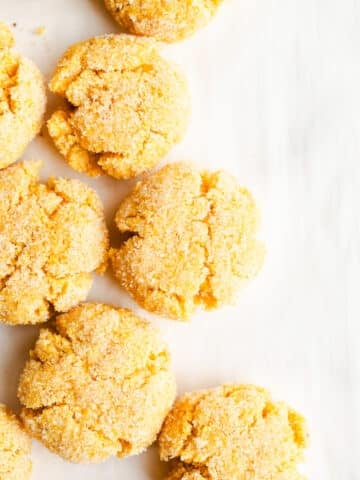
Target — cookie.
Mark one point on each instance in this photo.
(98, 384)
(22, 100)
(15, 447)
(52, 236)
(233, 432)
(167, 21)
(127, 106)
(191, 240)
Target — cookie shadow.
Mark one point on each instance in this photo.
(155, 469)
(99, 6)
(15, 345)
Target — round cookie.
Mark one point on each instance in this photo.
(15, 447)
(233, 432)
(97, 385)
(191, 240)
(52, 236)
(22, 100)
(127, 106)
(168, 21)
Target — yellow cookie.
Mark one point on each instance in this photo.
(15, 447)
(233, 432)
(127, 106)
(192, 240)
(22, 100)
(52, 236)
(169, 21)
(97, 385)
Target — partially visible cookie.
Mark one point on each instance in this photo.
(127, 106)
(191, 240)
(22, 100)
(98, 384)
(52, 236)
(168, 21)
(15, 447)
(233, 432)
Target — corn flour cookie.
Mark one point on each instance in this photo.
(127, 106)
(15, 447)
(168, 21)
(191, 240)
(96, 385)
(22, 100)
(233, 432)
(52, 236)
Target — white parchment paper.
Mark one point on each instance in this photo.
(275, 87)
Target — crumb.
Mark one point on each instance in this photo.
(52, 237)
(98, 384)
(233, 432)
(22, 100)
(15, 447)
(166, 21)
(127, 106)
(191, 240)
(39, 31)
(14, 24)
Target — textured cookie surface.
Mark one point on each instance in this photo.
(192, 240)
(15, 463)
(129, 106)
(22, 100)
(234, 432)
(98, 385)
(52, 236)
(168, 21)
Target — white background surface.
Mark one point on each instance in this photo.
(275, 87)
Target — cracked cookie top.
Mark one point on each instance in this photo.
(127, 106)
(15, 463)
(98, 384)
(52, 236)
(22, 100)
(168, 21)
(191, 240)
(233, 432)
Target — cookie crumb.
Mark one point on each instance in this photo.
(40, 30)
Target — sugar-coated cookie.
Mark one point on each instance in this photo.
(22, 100)
(233, 432)
(127, 106)
(15, 447)
(98, 384)
(170, 20)
(191, 240)
(52, 236)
